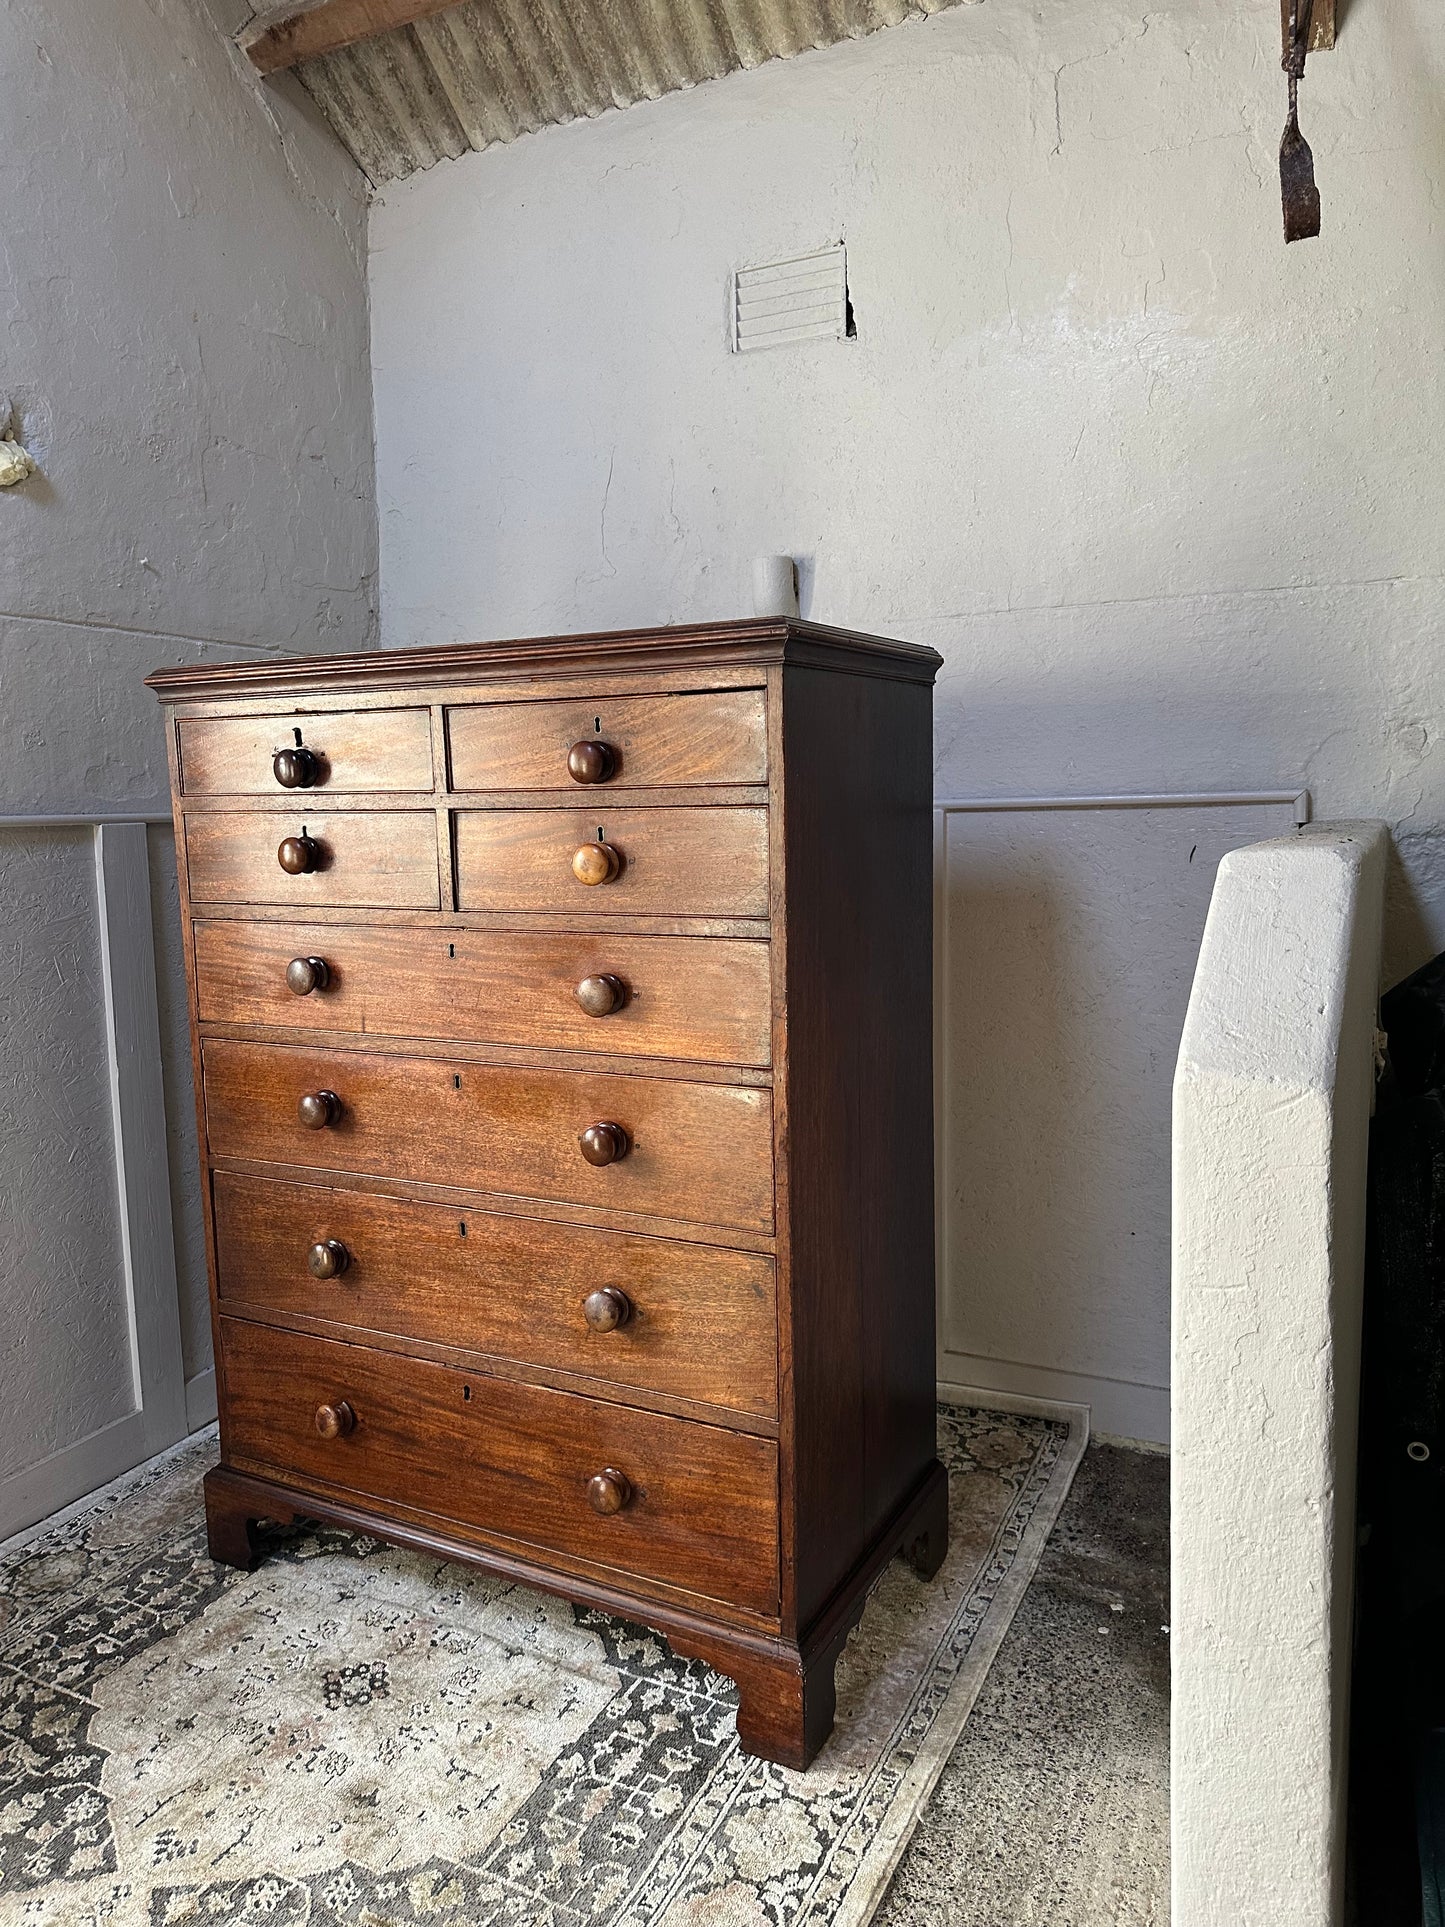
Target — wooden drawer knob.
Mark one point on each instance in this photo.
(596, 863)
(335, 1421)
(600, 996)
(317, 1109)
(603, 1143)
(296, 769)
(328, 1259)
(298, 855)
(305, 974)
(591, 762)
(606, 1309)
(608, 1491)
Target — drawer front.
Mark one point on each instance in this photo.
(513, 1461)
(707, 998)
(697, 862)
(718, 737)
(693, 1323)
(350, 751)
(372, 860)
(699, 1152)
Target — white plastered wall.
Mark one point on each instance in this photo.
(1272, 1103)
(1165, 493)
(185, 352)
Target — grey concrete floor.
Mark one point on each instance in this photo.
(1055, 1805)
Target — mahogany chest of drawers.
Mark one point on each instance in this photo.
(562, 1041)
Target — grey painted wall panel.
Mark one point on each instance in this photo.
(183, 290)
(1068, 942)
(64, 1351)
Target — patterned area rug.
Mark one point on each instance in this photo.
(353, 1736)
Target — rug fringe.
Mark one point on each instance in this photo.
(875, 1872)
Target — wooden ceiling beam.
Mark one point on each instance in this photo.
(1322, 24)
(305, 28)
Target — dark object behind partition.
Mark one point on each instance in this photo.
(1398, 1712)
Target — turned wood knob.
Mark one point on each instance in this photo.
(596, 863)
(298, 855)
(606, 1309)
(608, 1491)
(600, 996)
(328, 1259)
(305, 974)
(317, 1109)
(335, 1421)
(603, 1143)
(591, 762)
(296, 769)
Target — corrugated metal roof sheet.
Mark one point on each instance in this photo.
(489, 70)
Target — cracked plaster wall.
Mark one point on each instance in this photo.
(1166, 494)
(185, 351)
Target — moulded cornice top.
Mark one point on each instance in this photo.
(771, 641)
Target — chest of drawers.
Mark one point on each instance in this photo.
(562, 1045)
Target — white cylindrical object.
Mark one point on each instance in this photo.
(775, 585)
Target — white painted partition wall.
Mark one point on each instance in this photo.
(1272, 1101)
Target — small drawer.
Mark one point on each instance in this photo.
(696, 862)
(706, 998)
(372, 859)
(338, 751)
(647, 1314)
(610, 743)
(696, 1507)
(672, 1149)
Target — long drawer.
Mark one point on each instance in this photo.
(667, 1317)
(687, 997)
(361, 859)
(699, 1152)
(699, 1505)
(697, 861)
(345, 751)
(719, 736)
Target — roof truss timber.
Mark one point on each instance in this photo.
(301, 31)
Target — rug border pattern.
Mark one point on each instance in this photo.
(878, 1812)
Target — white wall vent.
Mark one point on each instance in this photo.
(805, 299)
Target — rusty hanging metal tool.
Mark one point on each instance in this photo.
(1296, 163)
